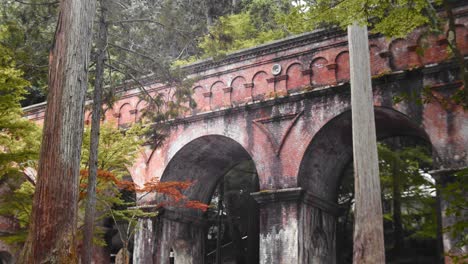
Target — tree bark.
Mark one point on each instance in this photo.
(368, 228)
(209, 14)
(397, 222)
(52, 232)
(90, 210)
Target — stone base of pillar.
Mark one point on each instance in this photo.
(296, 227)
(183, 234)
(144, 241)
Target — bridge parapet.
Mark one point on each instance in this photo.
(306, 62)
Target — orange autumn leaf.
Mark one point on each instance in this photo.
(197, 205)
(172, 189)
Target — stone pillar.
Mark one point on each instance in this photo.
(184, 234)
(144, 241)
(317, 236)
(279, 225)
(443, 178)
(296, 227)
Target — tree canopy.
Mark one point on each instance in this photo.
(19, 141)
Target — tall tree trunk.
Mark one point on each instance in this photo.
(397, 223)
(90, 210)
(368, 228)
(52, 232)
(209, 14)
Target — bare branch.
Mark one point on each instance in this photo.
(29, 3)
(180, 31)
(140, 85)
(162, 69)
(134, 52)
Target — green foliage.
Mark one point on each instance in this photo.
(261, 21)
(391, 18)
(417, 188)
(116, 153)
(28, 34)
(17, 205)
(19, 144)
(117, 149)
(229, 33)
(19, 141)
(257, 23)
(454, 193)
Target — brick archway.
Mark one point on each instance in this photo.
(204, 161)
(320, 175)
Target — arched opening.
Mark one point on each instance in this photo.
(223, 175)
(233, 219)
(5, 258)
(327, 173)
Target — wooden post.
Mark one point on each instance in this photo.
(368, 226)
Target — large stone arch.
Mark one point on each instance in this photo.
(320, 172)
(331, 148)
(254, 142)
(204, 161)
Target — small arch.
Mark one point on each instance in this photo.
(88, 118)
(240, 94)
(462, 38)
(295, 77)
(201, 103)
(260, 85)
(432, 47)
(109, 115)
(217, 95)
(320, 72)
(125, 117)
(140, 109)
(403, 54)
(342, 70)
(378, 59)
(166, 95)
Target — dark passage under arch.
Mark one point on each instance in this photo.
(214, 164)
(324, 163)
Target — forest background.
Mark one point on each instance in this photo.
(156, 38)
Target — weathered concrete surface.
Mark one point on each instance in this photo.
(279, 225)
(144, 240)
(184, 235)
(295, 127)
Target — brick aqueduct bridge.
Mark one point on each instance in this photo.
(294, 126)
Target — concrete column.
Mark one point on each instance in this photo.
(296, 227)
(144, 241)
(279, 225)
(317, 236)
(184, 234)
